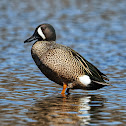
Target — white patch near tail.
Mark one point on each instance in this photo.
(41, 33)
(85, 79)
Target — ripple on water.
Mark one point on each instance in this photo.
(93, 28)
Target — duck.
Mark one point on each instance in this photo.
(62, 64)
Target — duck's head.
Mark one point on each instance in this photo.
(44, 32)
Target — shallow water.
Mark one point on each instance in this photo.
(96, 29)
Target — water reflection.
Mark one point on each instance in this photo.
(73, 110)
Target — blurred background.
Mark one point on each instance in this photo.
(94, 28)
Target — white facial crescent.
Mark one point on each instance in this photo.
(41, 33)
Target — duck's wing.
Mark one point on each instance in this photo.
(96, 75)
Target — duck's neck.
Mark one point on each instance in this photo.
(41, 47)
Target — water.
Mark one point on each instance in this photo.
(96, 29)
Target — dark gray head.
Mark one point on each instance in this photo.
(44, 32)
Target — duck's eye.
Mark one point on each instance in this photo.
(43, 28)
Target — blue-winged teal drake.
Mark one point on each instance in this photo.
(62, 64)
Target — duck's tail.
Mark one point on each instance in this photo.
(97, 85)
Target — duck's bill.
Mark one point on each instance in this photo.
(32, 38)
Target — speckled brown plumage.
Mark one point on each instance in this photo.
(56, 62)
(62, 64)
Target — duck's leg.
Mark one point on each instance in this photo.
(64, 88)
(70, 86)
(67, 91)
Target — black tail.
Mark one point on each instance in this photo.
(96, 85)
